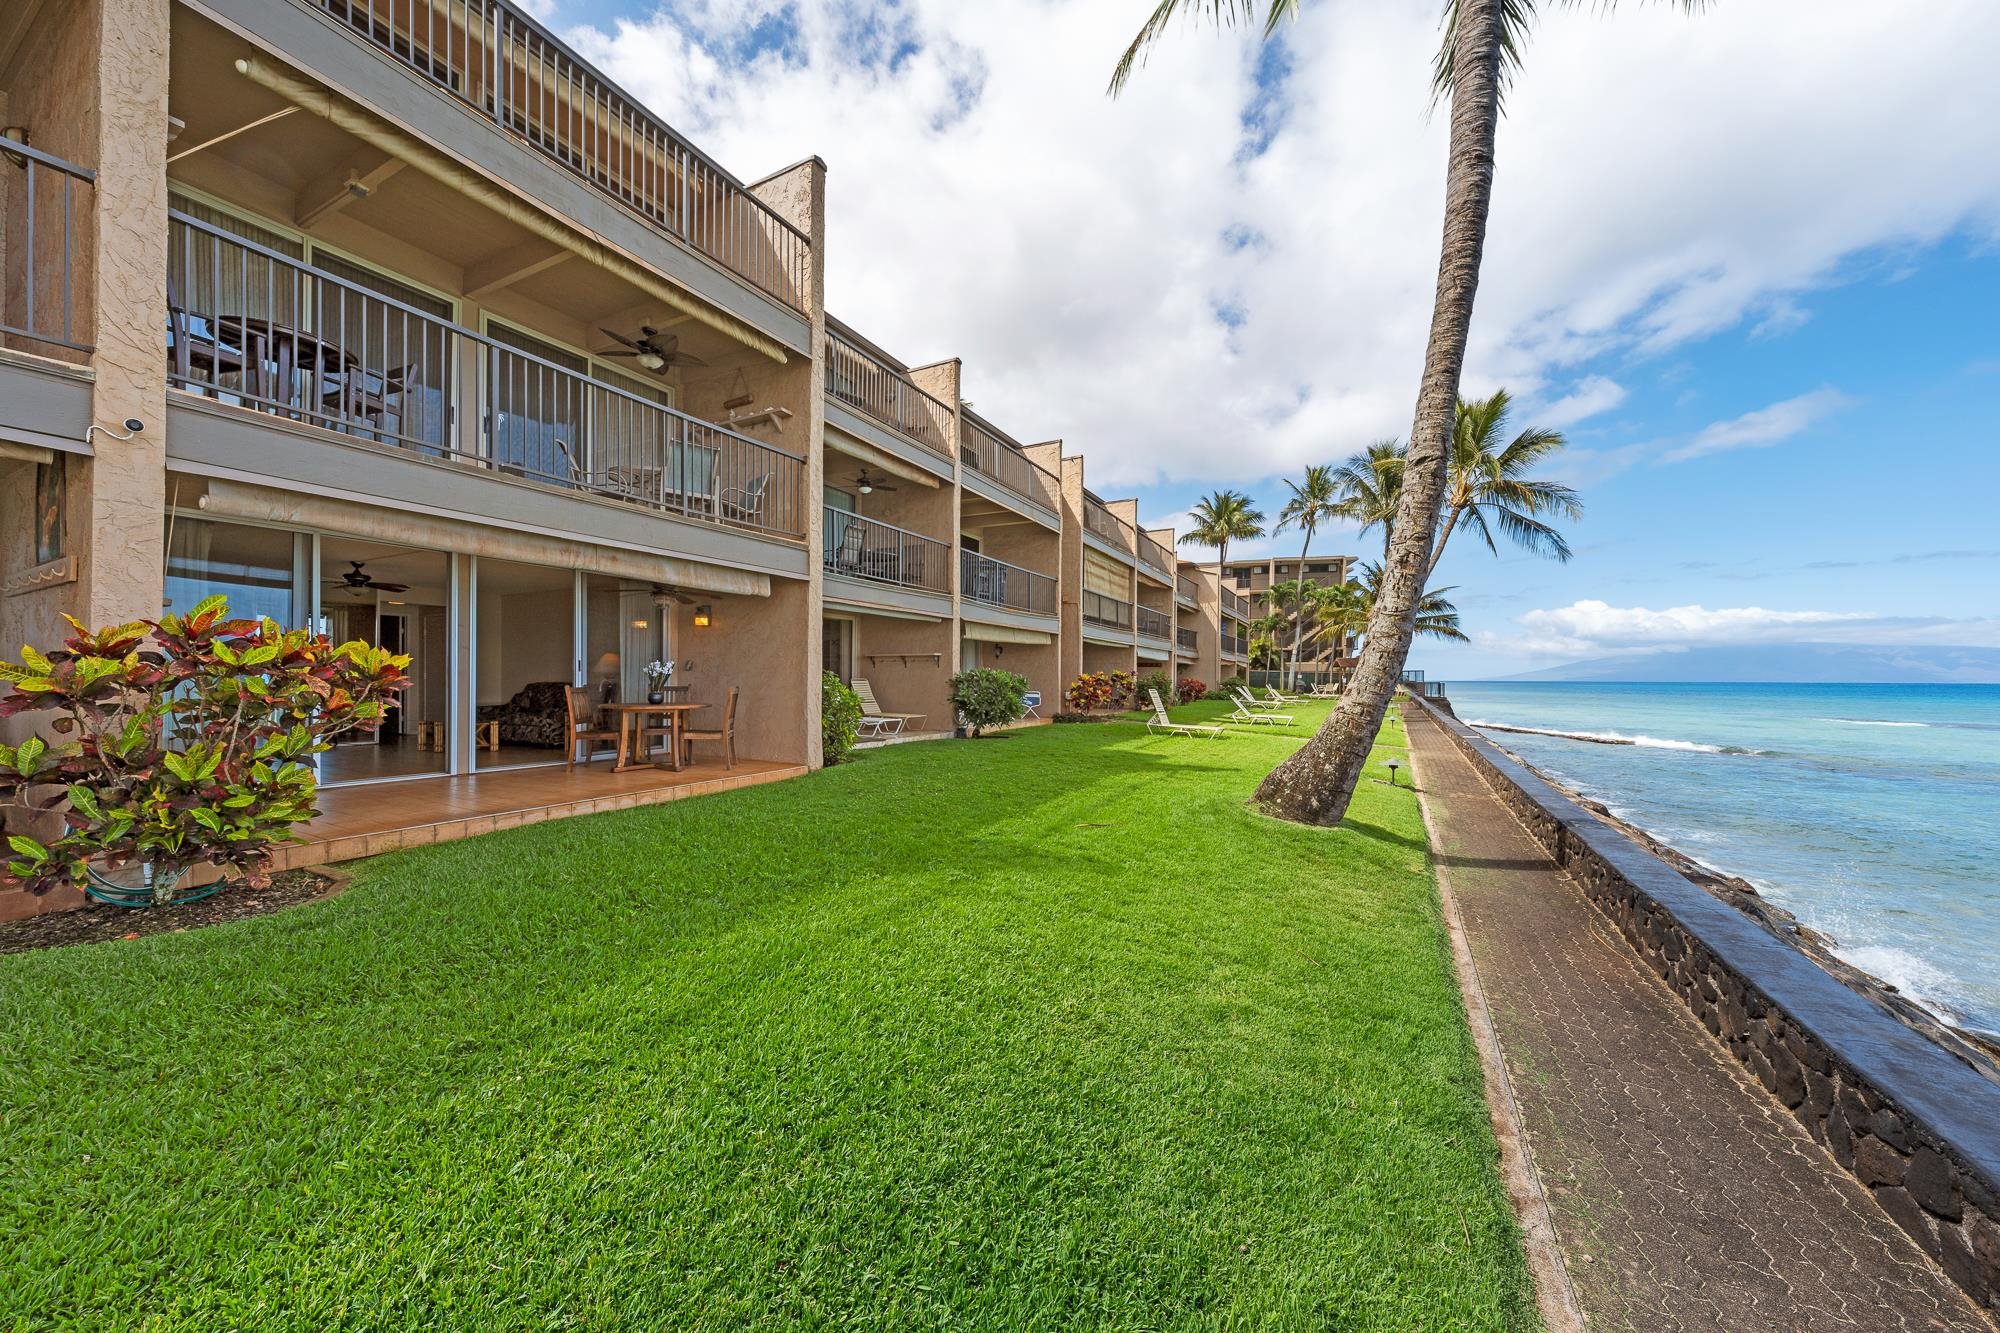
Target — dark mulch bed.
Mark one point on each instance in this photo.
(98, 921)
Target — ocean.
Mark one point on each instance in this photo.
(1870, 812)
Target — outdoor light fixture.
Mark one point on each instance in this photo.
(865, 488)
(702, 618)
(639, 624)
(1394, 764)
(651, 361)
(16, 134)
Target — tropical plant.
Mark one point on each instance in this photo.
(1187, 689)
(839, 718)
(988, 697)
(1265, 633)
(1152, 680)
(1371, 486)
(188, 741)
(1121, 688)
(1480, 54)
(1221, 518)
(1088, 692)
(1354, 601)
(1489, 481)
(1315, 499)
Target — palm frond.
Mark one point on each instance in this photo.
(1516, 18)
(1222, 13)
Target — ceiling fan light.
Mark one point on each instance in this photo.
(866, 489)
(652, 360)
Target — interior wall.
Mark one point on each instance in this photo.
(540, 630)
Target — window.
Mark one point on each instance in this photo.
(1242, 579)
(262, 571)
(539, 412)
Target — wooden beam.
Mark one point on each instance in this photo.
(340, 187)
(512, 265)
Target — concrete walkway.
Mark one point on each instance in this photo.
(1682, 1195)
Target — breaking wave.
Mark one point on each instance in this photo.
(1871, 722)
(1615, 738)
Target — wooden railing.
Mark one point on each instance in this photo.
(1155, 624)
(868, 384)
(1011, 469)
(867, 548)
(981, 578)
(44, 207)
(511, 70)
(254, 328)
(1101, 610)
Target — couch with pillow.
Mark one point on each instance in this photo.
(536, 715)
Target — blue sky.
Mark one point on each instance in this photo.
(1762, 315)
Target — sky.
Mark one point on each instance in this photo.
(1748, 261)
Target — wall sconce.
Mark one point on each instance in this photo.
(640, 624)
(16, 134)
(702, 618)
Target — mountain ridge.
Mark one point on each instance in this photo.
(1787, 664)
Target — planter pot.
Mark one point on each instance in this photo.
(657, 697)
(138, 884)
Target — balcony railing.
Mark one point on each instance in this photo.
(1187, 590)
(979, 450)
(254, 328)
(1187, 639)
(1236, 645)
(1156, 558)
(981, 578)
(1106, 526)
(1101, 610)
(44, 205)
(1155, 624)
(866, 383)
(866, 548)
(1232, 605)
(511, 70)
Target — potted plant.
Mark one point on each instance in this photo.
(181, 742)
(658, 676)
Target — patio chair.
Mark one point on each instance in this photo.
(747, 506)
(1248, 710)
(726, 734)
(1031, 704)
(1326, 690)
(1278, 699)
(1243, 697)
(1159, 724)
(886, 724)
(847, 555)
(583, 725)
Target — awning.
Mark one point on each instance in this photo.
(1005, 634)
(264, 504)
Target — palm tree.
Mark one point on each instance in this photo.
(1287, 602)
(1371, 486)
(1315, 499)
(1489, 479)
(1264, 632)
(1481, 51)
(1437, 618)
(1221, 518)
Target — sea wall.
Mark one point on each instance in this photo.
(1911, 1121)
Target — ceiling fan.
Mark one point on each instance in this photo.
(869, 485)
(356, 580)
(653, 350)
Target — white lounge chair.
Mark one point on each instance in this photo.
(876, 724)
(1328, 690)
(1160, 724)
(1247, 710)
(1241, 694)
(1278, 699)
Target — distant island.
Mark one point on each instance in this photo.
(1789, 663)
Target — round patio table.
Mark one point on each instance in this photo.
(632, 733)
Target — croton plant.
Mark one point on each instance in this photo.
(180, 741)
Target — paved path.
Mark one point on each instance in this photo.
(1682, 1195)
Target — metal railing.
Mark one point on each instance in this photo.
(1156, 558)
(1187, 639)
(1106, 526)
(39, 227)
(987, 455)
(1235, 645)
(254, 328)
(1155, 624)
(1101, 610)
(865, 382)
(1187, 590)
(981, 578)
(510, 69)
(1233, 605)
(867, 548)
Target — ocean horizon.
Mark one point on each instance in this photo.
(1870, 812)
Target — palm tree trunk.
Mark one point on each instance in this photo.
(1437, 551)
(1315, 785)
(1299, 620)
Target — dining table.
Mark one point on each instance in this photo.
(632, 730)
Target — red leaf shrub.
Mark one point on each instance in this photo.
(1189, 689)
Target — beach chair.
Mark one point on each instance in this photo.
(1032, 703)
(1244, 699)
(1249, 710)
(1326, 690)
(884, 725)
(1159, 724)
(1279, 700)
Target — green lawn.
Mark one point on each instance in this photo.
(1041, 1031)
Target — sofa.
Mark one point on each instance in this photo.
(537, 715)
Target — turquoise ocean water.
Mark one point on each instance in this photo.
(1870, 812)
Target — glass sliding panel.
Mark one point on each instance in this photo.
(525, 659)
(538, 413)
(399, 597)
(381, 366)
(257, 569)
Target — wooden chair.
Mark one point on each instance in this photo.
(727, 735)
(583, 725)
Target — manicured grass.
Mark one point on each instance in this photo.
(1046, 1030)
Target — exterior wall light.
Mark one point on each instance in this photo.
(702, 618)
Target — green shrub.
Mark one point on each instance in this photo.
(839, 718)
(988, 697)
(1189, 689)
(1153, 680)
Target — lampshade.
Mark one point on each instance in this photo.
(607, 664)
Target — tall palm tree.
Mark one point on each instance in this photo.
(1488, 480)
(1220, 518)
(1437, 618)
(1315, 499)
(1371, 486)
(1264, 632)
(1481, 51)
(1287, 602)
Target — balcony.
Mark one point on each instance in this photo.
(1156, 559)
(43, 208)
(1233, 605)
(256, 329)
(865, 548)
(872, 386)
(1187, 639)
(511, 71)
(1235, 645)
(1007, 467)
(981, 578)
(1186, 591)
(1106, 611)
(1155, 624)
(1106, 526)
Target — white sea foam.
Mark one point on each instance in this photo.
(1604, 737)
(1871, 722)
(1931, 987)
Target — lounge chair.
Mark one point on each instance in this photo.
(1241, 694)
(1159, 724)
(876, 724)
(1248, 710)
(1278, 699)
(1328, 690)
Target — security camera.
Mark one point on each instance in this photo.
(134, 425)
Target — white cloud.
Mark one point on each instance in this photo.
(1593, 628)
(1588, 397)
(1660, 177)
(1762, 428)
